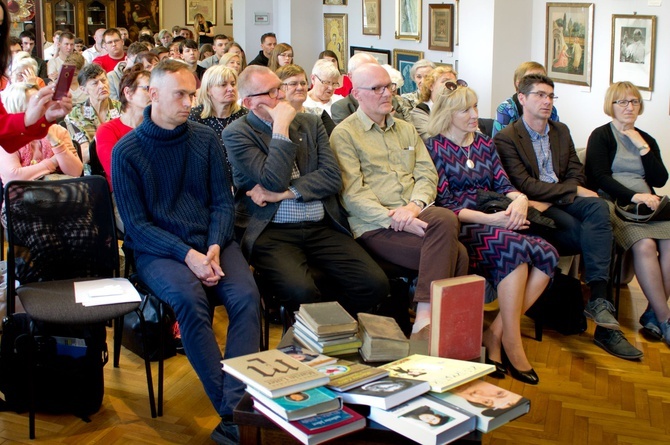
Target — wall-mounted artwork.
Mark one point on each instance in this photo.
(569, 42)
(372, 17)
(441, 27)
(403, 60)
(205, 7)
(383, 56)
(408, 20)
(137, 14)
(633, 50)
(228, 12)
(334, 2)
(335, 36)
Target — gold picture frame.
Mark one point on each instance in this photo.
(441, 27)
(403, 61)
(633, 50)
(335, 36)
(205, 7)
(372, 17)
(569, 49)
(408, 20)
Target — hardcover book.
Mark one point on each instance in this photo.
(327, 318)
(302, 404)
(319, 428)
(457, 317)
(386, 393)
(491, 405)
(383, 340)
(307, 356)
(345, 375)
(425, 420)
(274, 373)
(347, 346)
(329, 339)
(442, 373)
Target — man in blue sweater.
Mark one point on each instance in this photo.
(174, 198)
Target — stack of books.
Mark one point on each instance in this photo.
(326, 328)
(382, 338)
(345, 375)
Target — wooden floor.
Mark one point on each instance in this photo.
(586, 396)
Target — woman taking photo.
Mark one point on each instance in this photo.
(518, 266)
(624, 164)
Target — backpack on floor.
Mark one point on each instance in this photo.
(69, 363)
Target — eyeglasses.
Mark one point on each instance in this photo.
(294, 84)
(328, 84)
(113, 42)
(288, 55)
(273, 93)
(380, 89)
(542, 95)
(623, 103)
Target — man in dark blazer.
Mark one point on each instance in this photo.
(540, 159)
(287, 210)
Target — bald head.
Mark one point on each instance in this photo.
(359, 59)
(368, 74)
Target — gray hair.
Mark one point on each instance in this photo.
(423, 63)
(395, 75)
(14, 96)
(325, 69)
(246, 83)
(359, 59)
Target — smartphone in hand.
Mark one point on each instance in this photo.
(64, 81)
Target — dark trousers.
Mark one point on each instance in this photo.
(175, 284)
(286, 255)
(584, 227)
(436, 255)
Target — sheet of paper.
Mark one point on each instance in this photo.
(105, 291)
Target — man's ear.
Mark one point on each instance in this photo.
(522, 98)
(354, 93)
(245, 103)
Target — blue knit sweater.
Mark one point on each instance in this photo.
(172, 190)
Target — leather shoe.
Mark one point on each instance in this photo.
(651, 327)
(529, 376)
(614, 342)
(226, 433)
(500, 371)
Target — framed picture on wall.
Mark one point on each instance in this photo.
(408, 20)
(383, 56)
(334, 2)
(403, 60)
(569, 42)
(441, 27)
(205, 7)
(137, 14)
(335, 36)
(633, 50)
(228, 12)
(372, 17)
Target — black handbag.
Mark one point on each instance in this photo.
(493, 202)
(641, 213)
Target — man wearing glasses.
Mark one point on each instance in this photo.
(540, 159)
(389, 183)
(114, 46)
(286, 203)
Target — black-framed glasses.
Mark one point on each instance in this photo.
(272, 93)
(327, 83)
(623, 103)
(380, 89)
(542, 95)
(294, 84)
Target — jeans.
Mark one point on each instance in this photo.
(174, 283)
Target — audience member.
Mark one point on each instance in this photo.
(510, 110)
(539, 156)
(287, 201)
(404, 106)
(79, 45)
(345, 89)
(148, 60)
(219, 45)
(186, 34)
(235, 48)
(161, 51)
(624, 164)
(114, 76)
(51, 51)
(419, 71)
(233, 61)
(325, 80)
(190, 54)
(66, 48)
(518, 266)
(282, 55)
(388, 187)
(432, 86)
(78, 94)
(28, 45)
(24, 69)
(294, 84)
(174, 198)
(165, 37)
(114, 46)
(206, 51)
(268, 43)
(203, 30)
(97, 49)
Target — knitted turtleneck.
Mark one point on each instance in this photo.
(171, 189)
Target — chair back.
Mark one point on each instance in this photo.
(94, 160)
(59, 230)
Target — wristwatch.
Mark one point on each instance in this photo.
(419, 203)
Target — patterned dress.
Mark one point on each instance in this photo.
(494, 251)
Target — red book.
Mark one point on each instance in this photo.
(457, 317)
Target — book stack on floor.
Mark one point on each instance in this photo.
(291, 394)
(326, 328)
(382, 338)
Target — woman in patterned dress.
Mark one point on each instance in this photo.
(518, 266)
(624, 164)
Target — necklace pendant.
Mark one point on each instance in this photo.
(470, 163)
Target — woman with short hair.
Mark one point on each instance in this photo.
(325, 80)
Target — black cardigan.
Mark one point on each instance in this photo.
(600, 152)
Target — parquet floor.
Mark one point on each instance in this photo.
(585, 396)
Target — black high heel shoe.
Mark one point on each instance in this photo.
(500, 371)
(529, 377)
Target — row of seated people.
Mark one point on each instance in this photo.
(287, 183)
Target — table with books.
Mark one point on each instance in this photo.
(298, 391)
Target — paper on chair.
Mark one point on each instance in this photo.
(105, 291)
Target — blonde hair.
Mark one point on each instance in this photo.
(430, 79)
(444, 108)
(618, 91)
(522, 69)
(14, 96)
(215, 75)
(227, 57)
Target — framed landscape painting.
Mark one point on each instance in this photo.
(403, 60)
(569, 42)
(633, 50)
